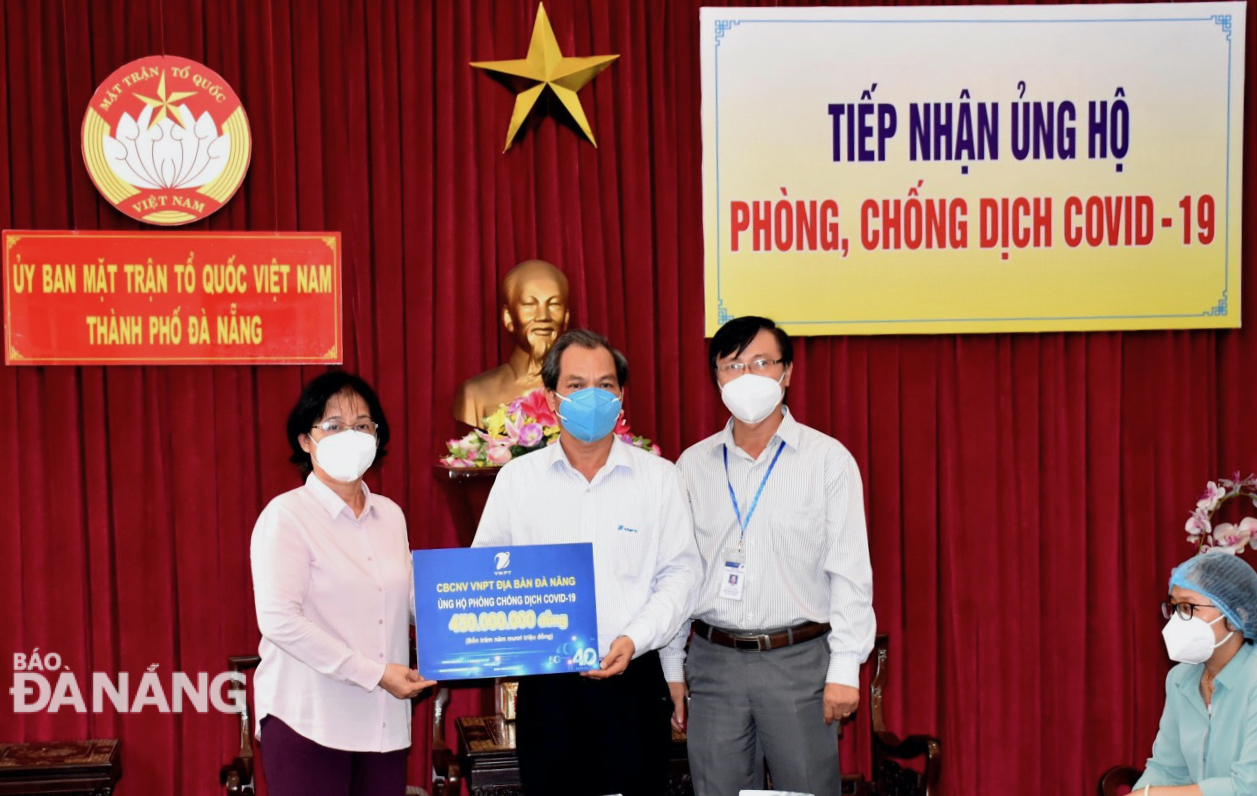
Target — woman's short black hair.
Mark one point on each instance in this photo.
(734, 337)
(585, 338)
(313, 402)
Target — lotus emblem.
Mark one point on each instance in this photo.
(166, 140)
(165, 154)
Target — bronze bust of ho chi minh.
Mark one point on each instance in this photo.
(535, 312)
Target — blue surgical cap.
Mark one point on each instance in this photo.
(1229, 583)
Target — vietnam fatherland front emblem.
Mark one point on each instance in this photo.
(166, 140)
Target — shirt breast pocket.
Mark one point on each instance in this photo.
(798, 531)
(631, 545)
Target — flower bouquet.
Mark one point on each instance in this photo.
(1225, 537)
(522, 426)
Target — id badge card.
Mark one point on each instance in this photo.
(732, 575)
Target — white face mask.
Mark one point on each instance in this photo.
(751, 397)
(345, 456)
(1191, 641)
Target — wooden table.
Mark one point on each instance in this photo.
(486, 754)
(82, 768)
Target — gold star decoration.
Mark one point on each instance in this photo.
(545, 67)
(163, 102)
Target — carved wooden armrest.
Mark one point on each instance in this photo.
(893, 779)
(446, 774)
(443, 760)
(236, 777)
(1118, 777)
(926, 746)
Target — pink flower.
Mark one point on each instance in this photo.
(622, 427)
(499, 453)
(467, 446)
(1225, 534)
(462, 449)
(512, 430)
(531, 434)
(1210, 499)
(534, 405)
(1237, 483)
(1248, 526)
(1198, 523)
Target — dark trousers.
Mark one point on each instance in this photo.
(582, 737)
(296, 766)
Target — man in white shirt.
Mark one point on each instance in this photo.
(785, 615)
(604, 731)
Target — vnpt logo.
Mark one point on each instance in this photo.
(502, 560)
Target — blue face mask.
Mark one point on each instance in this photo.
(589, 414)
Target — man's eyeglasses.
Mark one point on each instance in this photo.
(337, 426)
(1184, 610)
(755, 366)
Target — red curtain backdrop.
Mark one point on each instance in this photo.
(1025, 493)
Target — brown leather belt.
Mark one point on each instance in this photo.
(759, 642)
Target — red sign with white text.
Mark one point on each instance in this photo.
(171, 298)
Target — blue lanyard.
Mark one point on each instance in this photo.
(754, 501)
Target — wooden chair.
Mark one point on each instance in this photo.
(236, 777)
(890, 777)
(446, 774)
(1116, 778)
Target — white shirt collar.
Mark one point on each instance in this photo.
(619, 456)
(788, 432)
(332, 502)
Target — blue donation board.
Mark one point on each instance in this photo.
(505, 611)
